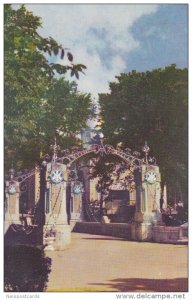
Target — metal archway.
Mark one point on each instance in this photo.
(132, 159)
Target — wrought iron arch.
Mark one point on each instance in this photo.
(133, 159)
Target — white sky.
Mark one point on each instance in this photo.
(75, 26)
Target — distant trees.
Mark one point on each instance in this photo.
(37, 105)
(152, 107)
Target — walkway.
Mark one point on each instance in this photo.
(100, 263)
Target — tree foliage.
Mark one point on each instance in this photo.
(64, 112)
(37, 105)
(152, 107)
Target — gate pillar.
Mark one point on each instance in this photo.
(57, 233)
(11, 213)
(148, 192)
(76, 203)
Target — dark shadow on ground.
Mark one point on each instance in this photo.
(26, 269)
(146, 285)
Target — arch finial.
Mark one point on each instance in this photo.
(146, 150)
(55, 149)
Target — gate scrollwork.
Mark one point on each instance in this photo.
(132, 159)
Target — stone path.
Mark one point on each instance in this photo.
(103, 263)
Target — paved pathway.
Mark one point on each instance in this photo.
(103, 263)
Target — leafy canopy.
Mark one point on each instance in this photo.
(152, 107)
(38, 105)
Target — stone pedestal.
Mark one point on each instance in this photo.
(141, 231)
(76, 204)
(11, 214)
(148, 194)
(75, 217)
(56, 231)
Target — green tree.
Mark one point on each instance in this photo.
(28, 80)
(151, 106)
(65, 112)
